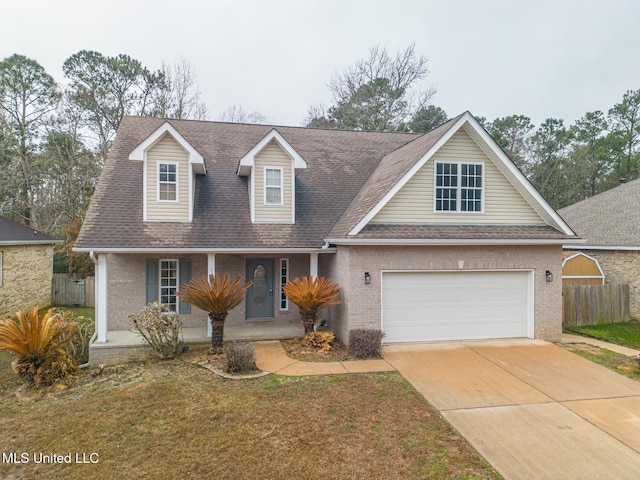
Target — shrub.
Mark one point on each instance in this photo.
(40, 342)
(79, 345)
(321, 340)
(311, 294)
(365, 343)
(241, 357)
(161, 328)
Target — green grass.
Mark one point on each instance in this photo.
(626, 334)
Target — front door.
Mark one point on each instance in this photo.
(260, 294)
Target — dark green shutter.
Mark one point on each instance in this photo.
(152, 281)
(185, 277)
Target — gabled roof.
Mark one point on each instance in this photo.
(195, 159)
(12, 233)
(609, 220)
(247, 161)
(398, 167)
(348, 175)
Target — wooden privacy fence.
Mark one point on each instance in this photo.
(594, 304)
(71, 292)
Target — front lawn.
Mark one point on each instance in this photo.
(174, 419)
(626, 334)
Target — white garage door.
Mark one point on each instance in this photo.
(427, 306)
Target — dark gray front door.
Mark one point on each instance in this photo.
(260, 294)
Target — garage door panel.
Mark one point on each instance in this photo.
(424, 306)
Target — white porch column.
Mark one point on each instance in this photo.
(313, 264)
(101, 298)
(211, 270)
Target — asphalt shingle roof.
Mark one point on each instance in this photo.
(611, 218)
(12, 233)
(347, 174)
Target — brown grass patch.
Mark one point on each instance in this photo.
(173, 419)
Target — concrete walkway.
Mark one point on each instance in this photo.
(571, 338)
(271, 357)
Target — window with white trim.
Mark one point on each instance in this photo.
(272, 186)
(458, 187)
(169, 283)
(167, 182)
(284, 278)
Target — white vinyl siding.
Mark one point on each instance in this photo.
(272, 158)
(169, 152)
(414, 202)
(431, 306)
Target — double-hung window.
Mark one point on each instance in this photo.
(167, 182)
(458, 187)
(272, 186)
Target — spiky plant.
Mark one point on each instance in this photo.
(311, 294)
(40, 343)
(215, 295)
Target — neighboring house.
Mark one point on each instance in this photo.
(610, 224)
(430, 237)
(26, 268)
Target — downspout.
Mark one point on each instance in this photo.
(95, 330)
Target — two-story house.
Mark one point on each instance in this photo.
(430, 237)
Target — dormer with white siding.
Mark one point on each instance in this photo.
(170, 165)
(271, 167)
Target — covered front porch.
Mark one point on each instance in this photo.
(127, 345)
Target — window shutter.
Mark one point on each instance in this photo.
(152, 281)
(185, 277)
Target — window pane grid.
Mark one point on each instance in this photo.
(169, 283)
(284, 277)
(273, 186)
(167, 181)
(458, 187)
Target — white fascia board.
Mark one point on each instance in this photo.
(490, 142)
(416, 167)
(247, 162)
(196, 250)
(473, 123)
(604, 247)
(455, 241)
(195, 159)
(29, 242)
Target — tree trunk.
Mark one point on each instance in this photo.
(217, 332)
(308, 321)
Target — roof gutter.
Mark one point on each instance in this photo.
(253, 250)
(452, 241)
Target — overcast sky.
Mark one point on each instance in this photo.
(543, 58)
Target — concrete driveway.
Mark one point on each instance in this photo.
(532, 409)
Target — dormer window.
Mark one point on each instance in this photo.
(273, 186)
(167, 182)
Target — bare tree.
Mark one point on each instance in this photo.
(179, 94)
(237, 114)
(380, 92)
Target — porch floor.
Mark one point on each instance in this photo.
(252, 332)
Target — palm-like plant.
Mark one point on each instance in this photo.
(215, 295)
(312, 294)
(40, 342)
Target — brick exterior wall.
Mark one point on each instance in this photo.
(27, 272)
(622, 266)
(361, 303)
(126, 275)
